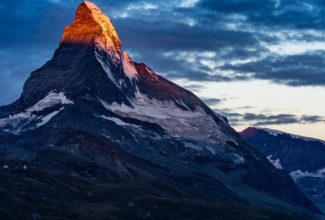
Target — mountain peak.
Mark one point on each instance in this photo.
(249, 132)
(90, 5)
(92, 27)
(93, 115)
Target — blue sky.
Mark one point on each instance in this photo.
(260, 63)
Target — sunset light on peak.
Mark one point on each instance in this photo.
(92, 27)
(128, 65)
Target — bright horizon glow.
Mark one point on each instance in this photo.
(264, 97)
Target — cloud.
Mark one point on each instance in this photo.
(33, 23)
(271, 119)
(261, 119)
(302, 14)
(194, 87)
(187, 3)
(296, 70)
(212, 101)
(11, 83)
(179, 36)
(237, 36)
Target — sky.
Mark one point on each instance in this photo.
(260, 63)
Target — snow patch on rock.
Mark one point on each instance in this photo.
(178, 122)
(156, 109)
(47, 118)
(52, 99)
(118, 121)
(276, 163)
(297, 174)
(21, 120)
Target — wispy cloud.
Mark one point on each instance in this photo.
(271, 119)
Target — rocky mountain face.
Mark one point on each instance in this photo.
(97, 135)
(302, 157)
